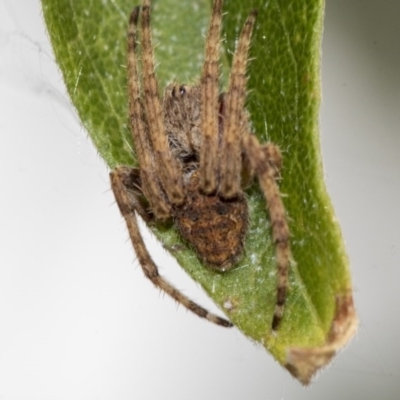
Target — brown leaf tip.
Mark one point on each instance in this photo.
(303, 363)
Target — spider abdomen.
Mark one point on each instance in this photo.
(214, 227)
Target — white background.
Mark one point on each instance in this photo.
(77, 318)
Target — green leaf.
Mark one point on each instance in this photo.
(89, 42)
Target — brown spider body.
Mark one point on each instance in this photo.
(214, 227)
(196, 153)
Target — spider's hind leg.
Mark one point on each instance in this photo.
(265, 162)
(132, 196)
(125, 192)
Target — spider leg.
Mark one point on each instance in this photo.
(209, 102)
(167, 167)
(131, 179)
(230, 165)
(265, 161)
(139, 128)
(125, 197)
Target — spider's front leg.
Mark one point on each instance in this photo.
(265, 162)
(209, 102)
(235, 120)
(124, 183)
(139, 128)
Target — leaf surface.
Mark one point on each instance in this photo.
(89, 42)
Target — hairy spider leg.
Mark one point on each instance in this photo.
(160, 177)
(265, 160)
(139, 128)
(210, 105)
(167, 167)
(235, 125)
(126, 199)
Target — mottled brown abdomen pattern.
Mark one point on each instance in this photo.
(214, 227)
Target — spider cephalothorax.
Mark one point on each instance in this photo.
(196, 152)
(214, 226)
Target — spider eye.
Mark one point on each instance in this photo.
(182, 90)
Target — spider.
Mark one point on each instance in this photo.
(196, 153)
